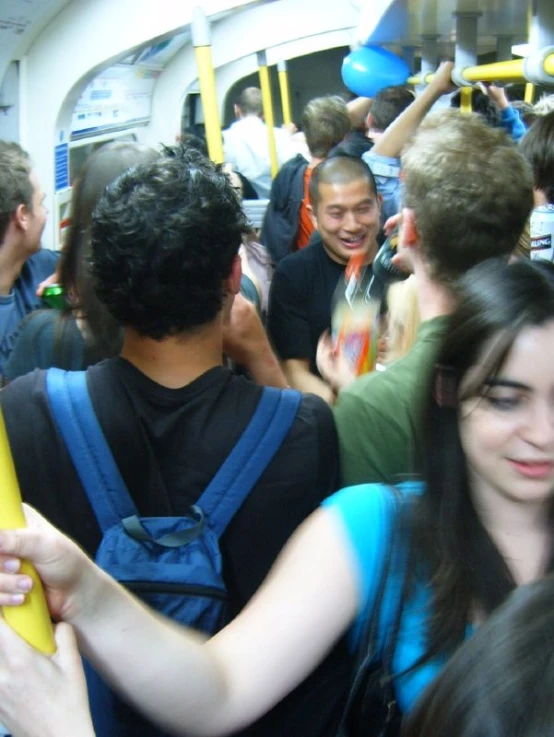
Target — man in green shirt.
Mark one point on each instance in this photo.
(467, 196)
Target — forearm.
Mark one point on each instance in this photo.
(266, 370)
(358, 110)
(398, 133)
(303, 380)
(159, 666)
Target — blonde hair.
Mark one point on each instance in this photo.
(544, 106)
(404, 318)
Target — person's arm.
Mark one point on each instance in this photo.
(299, 376)
(509, 117)
(358, 110)
(184, 684)
(403, 128)
(245, 342)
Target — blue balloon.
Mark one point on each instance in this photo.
(368, 69)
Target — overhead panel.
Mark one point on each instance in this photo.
(438, 18)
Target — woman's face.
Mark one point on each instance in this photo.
(508, 434)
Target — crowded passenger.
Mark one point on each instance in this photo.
(458, 210)
(491, 101)
(257, 267)
(165, 240)
(23, 263)
(384, 157)
(288, 225)
(538, 148)
(345, 209)
(83, 332)
(459, 543)
(403, 319)
(501, 681)
(246, 145)
(544, 106)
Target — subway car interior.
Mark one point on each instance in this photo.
(77, 73)
(262, 289)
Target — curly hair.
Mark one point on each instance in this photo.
(164, 238)
(15, 186)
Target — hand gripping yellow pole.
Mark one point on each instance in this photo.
(31, 619)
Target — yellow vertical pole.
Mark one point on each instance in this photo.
(31, 619)
(529, 95)
(202, 48)
(466, 105)
(285, 94)
(267, 104)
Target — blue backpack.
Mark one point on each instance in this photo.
(171, 563)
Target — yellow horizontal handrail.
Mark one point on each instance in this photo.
(500, 71)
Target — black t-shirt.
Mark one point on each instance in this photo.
(300, 301)
(168, 444)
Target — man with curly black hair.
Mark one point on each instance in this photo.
(165, 241)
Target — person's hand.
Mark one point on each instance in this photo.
(497, 95)
(60, 564)
(442, 84)
(52, 279)
(43, 695)
(332, 365)
(392, 223)
(290, 128)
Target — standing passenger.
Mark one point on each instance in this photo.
(458, 211)
(246, 144)
(23, 264)
(288, 225)
(165, 241)
(345, 208)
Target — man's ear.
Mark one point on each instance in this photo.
(311, 213)
(369, 122)
(410, 234)
(233, 280)
(236, 110)
(21, 217)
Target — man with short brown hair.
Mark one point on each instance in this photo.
(23, 264)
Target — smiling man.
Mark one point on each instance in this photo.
(345, 208)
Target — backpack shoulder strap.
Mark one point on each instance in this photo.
(76, 420)
(250, 457)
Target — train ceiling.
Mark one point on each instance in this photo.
(21, 21)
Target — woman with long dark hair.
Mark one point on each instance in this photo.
(82, 332)
(419, 567)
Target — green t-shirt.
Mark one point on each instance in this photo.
(378, 416)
